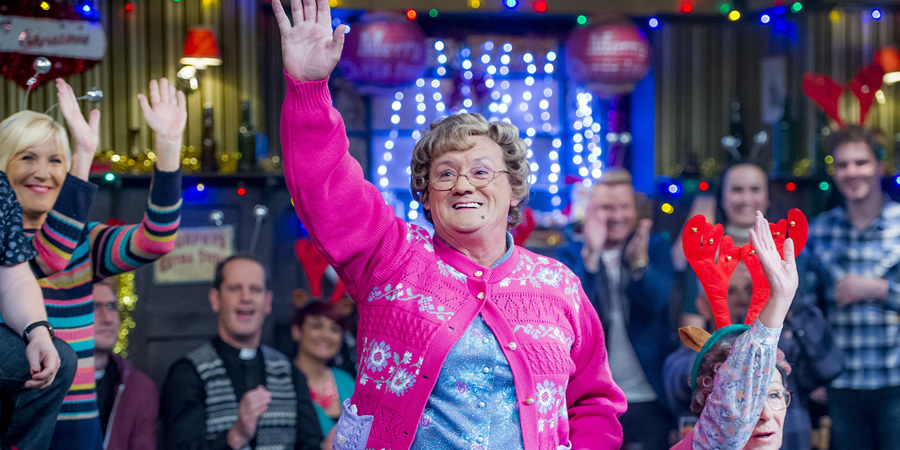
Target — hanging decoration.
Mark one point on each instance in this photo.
(608, 56)
(30, 29)
(384, 50)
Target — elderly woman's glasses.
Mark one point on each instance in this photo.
(778, 400)
(478, 177)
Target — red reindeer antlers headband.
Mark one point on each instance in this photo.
(703, 241)
(315, 265)
(826, 92)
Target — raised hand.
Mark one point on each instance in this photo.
(85, 133)
(309, 48)
(781, 273)
(166, 117)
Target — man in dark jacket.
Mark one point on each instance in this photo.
(127, 398)
(233, 392)
(627, 274)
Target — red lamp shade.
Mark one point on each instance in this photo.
(889, 58)
(200, 48)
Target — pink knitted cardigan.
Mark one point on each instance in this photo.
(416, 297)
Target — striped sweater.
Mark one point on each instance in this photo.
(97, 252)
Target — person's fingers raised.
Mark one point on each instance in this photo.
(281, 18)
(323, 12)
(789, 252)
(94, 121)
(309, 10)
(154, 92)
(164, 90)
(145, 106)
(337, 40)
(297, 10)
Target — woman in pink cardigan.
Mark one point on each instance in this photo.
(465, 340)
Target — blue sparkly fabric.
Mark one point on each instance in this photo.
(473, 405)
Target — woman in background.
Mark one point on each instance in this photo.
(738, 378)
(317, 329)
(35, 154)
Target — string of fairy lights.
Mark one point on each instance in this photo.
(503, 83)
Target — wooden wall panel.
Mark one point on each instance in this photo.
(146, 44)
(695, 82)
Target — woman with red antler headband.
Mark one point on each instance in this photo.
(737, 377)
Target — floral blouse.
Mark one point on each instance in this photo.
(473, 405)
(739, 392)
(14, 245)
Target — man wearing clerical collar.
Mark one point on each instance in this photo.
(233, 392)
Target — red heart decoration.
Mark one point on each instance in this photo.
(18, 66)
(826, 92)
(864, 85)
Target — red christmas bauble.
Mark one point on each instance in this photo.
(612, 57)
(384, 49)
(18, 66)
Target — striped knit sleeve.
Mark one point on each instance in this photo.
(118, 249)
(55, 242)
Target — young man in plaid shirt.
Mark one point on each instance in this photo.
(854, 252)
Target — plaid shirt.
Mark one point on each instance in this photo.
(869, 330)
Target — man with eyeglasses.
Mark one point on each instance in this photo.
(627, 274)
(126, 397)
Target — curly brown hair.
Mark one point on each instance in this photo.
(451, 134)
(710, 364)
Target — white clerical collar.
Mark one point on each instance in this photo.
(247, 354)
(99, 373)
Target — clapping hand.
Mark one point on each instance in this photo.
(637, 250)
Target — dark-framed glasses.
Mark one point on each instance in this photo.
(778, 400)
(445, 179)
(109, 307)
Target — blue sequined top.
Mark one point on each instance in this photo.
(473, 405)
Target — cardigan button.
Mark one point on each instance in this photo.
(529, 401)
(478, 273)
(480, 296)
(512, 346)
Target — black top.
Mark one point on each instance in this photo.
(14, 246)
(183, 402)
(106, 392)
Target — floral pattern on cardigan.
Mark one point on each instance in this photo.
(372, 249)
